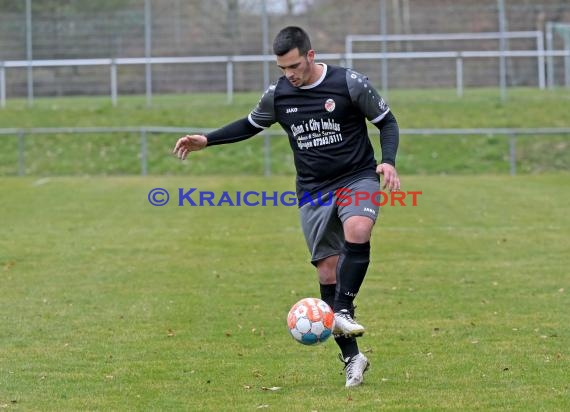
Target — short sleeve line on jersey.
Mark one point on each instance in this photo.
(255, 124)
(379, 118)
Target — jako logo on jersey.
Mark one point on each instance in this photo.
(330, 105)
(291, 110)
(367, 209)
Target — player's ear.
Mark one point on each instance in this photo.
(311, 56)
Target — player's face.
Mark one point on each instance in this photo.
(297, 69)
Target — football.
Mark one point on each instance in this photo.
(310, 321)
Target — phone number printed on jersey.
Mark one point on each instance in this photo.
(317, 139)
(326, 140)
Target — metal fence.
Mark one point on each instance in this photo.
(454, 59)
(512, 134)
(33, 32)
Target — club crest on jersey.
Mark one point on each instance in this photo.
(330, 105)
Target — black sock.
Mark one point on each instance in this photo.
(352, 266)
(348, 346)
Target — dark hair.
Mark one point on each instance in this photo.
(290, 38)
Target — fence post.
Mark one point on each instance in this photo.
(230, 81)
(148, 50)
(267, 154)
(2, 85)
(29, 54)
(541, 73)
(21, 154)
(348, 51)
(265, 43)
(503, 46)
(144, 164)
(567, 66)
(459, 74)
(384, 32)
(550, 58)
(513, 153)
(114, 82)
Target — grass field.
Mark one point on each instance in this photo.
(109, 303)
(119, 154)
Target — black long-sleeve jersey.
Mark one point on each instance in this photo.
(326, 125)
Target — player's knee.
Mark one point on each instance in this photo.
(358, 229)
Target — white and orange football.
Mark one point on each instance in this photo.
(310, 321)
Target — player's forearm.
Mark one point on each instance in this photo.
(234, 132)
(389, 138)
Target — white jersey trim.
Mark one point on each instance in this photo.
(255, 124)
(377, 119)
(320, 80)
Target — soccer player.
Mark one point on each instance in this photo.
(323, 109)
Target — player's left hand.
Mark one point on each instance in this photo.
(391, 179)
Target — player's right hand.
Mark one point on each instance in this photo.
(189, 143)
(391, 179)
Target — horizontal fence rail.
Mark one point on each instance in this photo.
(538, 36)
(229, 61)
(144, 131)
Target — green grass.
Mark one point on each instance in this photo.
(108, 303)
(119, 154)
(438, 108)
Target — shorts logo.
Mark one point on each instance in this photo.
(367, 209)
(330, 105)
